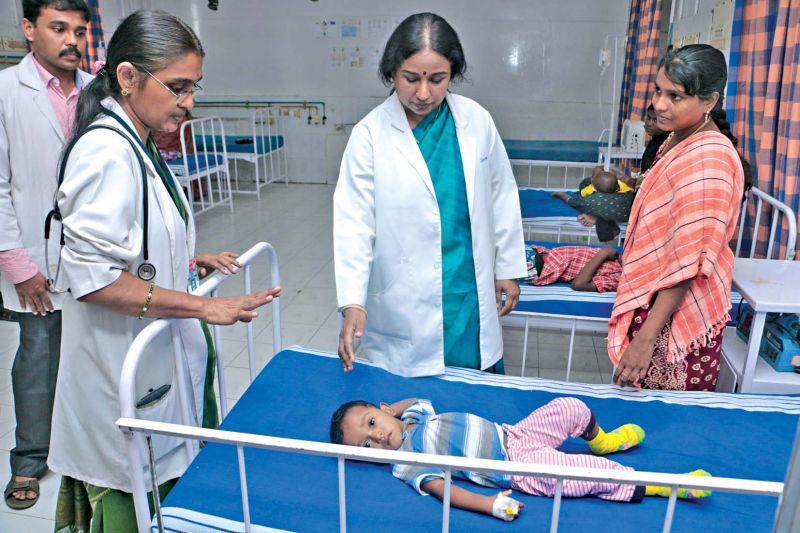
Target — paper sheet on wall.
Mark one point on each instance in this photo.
(351, 29)
(356, 58)
(377, 29)
(374, 56)
(326, 29)
(721, 23)
(338, 57)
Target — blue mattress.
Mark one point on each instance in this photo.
(577, 151)
(241, 144)
(559, 298)
(197, 161)
(744, 436)
(539, 205)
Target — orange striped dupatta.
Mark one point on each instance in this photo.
(680, 224)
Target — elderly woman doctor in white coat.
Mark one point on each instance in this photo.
(154, 62)
(427, 229)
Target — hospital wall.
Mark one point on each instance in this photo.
(533, 65)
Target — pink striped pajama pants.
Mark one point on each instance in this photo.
(536, 438)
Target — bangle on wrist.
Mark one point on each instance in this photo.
(356, 306)
(147, 301)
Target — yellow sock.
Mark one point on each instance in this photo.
(683, 494)
(622, 438)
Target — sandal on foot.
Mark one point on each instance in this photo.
(31, 485)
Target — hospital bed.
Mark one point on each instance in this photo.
(559, 307)
(264, 149)
(269, 468)
(544, 215)
(536, 163)
(203, 170)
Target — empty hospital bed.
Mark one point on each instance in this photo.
(264, 148)
(202, 168)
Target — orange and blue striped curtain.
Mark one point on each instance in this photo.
(642, 53)
(94, 37)
(764, 99)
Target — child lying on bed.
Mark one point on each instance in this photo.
(585, 268)
(412, 425)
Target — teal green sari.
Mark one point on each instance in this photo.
(437, 140)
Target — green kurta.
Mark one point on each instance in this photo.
(436, 136)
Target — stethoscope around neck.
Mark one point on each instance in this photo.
(146, 270)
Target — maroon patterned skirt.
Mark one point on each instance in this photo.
(698, 371)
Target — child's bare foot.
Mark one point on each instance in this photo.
(561, 195)
(587, 220)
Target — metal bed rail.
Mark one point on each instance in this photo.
(205, 153)
(270, 166)
(576, 169)
(137, 446)
(778, 208)
(448, 464)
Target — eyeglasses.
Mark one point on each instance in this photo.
(181, 96)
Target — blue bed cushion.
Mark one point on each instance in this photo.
(540, 204)
(297, 392)
(195, 161)
(244, 144)
(578, 151)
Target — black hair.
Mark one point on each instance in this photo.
(702, 70)
(31, 9)
(419, 32)
(149, 40)
(337, 435)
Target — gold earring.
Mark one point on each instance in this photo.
(706, 116)
(125, 91)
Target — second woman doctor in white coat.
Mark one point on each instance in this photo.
(427, 228)
(148, 83)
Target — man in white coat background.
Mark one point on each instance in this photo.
(38, 98)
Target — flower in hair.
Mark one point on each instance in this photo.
(97, 66)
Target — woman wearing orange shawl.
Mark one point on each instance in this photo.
(673, 298)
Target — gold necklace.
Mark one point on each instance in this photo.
(667, 146)
(672, 135)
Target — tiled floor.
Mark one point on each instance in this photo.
(297, 221)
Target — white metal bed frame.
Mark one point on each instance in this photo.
(135, 443)
(214, 176)
(139, 432)
(577, 323)
(136, 427)
(576, 170)
(272, 165)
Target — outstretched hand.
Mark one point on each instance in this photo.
(232, 309)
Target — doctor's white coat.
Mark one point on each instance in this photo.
(101, 202)
(31, 141)
(387, 235)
